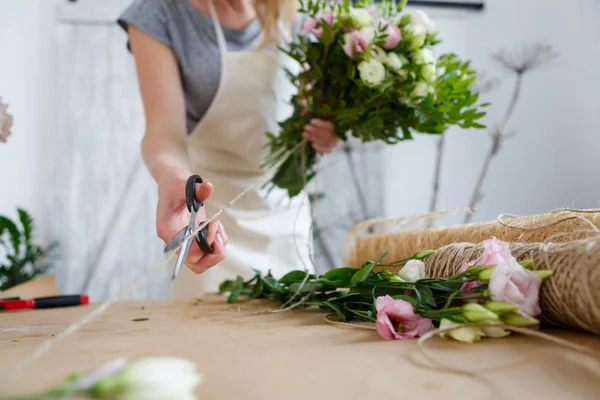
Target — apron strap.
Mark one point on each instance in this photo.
(218, 29)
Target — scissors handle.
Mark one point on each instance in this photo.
(190, 193)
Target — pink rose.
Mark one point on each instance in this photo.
(396, 319)
(355, 41)
(392, 32)
(471, 285)
(494, 252)
(6, 122)
(514, 284)
(315, 25)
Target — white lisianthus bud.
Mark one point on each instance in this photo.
(422, 19)
(422, 89)
(371, 72)
(394, 61)
(412, 271)
(466, 334)
(360, 17)
(380, 55)
(428, 72)
(424, 56)
(417, 34)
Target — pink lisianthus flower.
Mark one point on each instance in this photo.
(471, 285)
(392, 32)
(355, 41)
(396, 319)
(514, 284)
(315, 25)
(494, 252)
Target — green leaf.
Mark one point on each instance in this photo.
(340, 277)
(363, 273)
(426, 295)
(236, 290)
(293, 276)
(13, 232)
(337, 309)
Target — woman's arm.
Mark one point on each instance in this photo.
(164, 146)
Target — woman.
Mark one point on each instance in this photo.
(212, 85)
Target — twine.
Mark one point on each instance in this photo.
(361, 246)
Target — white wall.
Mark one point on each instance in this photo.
(553, 160)
(26, 77)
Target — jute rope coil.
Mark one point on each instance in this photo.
(362, 246)
(566, 241)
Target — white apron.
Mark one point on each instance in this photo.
(227, 148)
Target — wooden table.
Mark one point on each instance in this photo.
(291, 355)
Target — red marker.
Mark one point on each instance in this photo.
(45, 302)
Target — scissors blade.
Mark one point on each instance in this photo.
(182, 255)
(176, 241)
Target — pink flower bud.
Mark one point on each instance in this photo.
(393, 34)
(355, 41)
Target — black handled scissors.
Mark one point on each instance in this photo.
(182, 239)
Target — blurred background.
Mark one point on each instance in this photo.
(72, 163)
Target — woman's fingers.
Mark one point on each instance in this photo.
(209, 260)
(204, 191)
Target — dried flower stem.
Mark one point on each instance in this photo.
(498, 137)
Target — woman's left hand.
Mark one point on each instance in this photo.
(320, 134)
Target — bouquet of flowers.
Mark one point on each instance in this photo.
(490, 292)
(372, 71)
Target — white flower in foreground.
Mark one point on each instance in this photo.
(412, 271)
(360, 17)
(372, 72)
(424, 56)
(494, 332)
(6, 122)
(151, 378)
(466, 334)
(422, 19)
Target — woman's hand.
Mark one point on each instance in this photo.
(320, 134)
(172, 215)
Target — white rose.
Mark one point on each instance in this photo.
(152, 378)
(466, 334)
(421, 18)
(372, 72)
(412, 271)
(424, 56)
(360, 17)
(421, 90)
(6, 122)
(428, 72)
(417, 35)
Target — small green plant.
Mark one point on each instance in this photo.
(20, 259)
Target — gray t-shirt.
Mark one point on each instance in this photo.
(191, 35)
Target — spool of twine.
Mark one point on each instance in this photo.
(567, 242)
(362, 246)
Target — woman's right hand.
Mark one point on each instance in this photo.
(172, 215)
